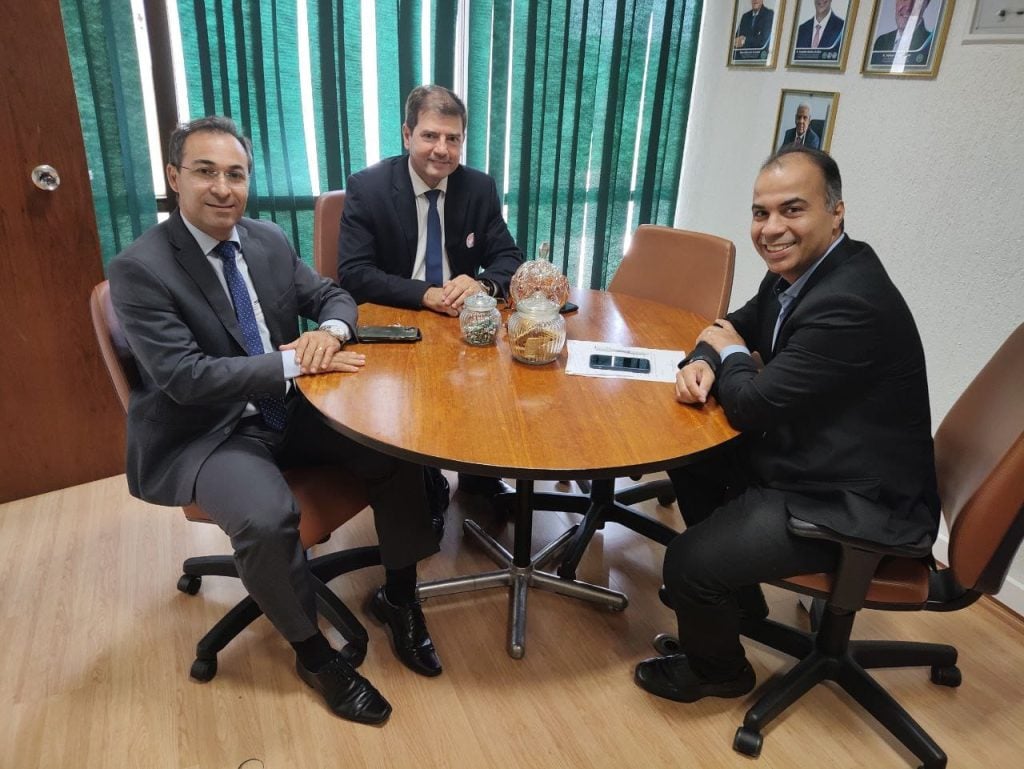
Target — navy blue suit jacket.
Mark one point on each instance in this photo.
(831, 36)
(379, 233)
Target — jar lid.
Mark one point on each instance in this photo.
(537, 306)
(480, 301)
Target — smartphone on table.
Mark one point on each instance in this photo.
(620, 363)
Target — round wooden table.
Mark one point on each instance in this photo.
(445, 403)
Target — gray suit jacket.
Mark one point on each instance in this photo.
(181, 327)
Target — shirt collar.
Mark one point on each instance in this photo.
(824, 22)
(419, 186)
(792, 290)
(207, 242)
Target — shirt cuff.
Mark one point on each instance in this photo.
(729, 350)
(288, 365)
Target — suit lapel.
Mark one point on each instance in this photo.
(455, 206)
(193, 261)
(404, 200)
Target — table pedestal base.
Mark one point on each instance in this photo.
(520, 572)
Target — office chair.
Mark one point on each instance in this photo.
(326, 224)
(327, 497)
(680, 268)
(979, 456)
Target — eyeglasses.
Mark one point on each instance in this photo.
(209, 175)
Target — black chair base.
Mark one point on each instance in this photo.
(600, 507)
(323, 568)
(829, 655)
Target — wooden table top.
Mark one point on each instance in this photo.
(443, 402)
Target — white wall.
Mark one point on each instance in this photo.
(933, 178)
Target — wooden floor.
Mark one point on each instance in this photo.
(97, 644)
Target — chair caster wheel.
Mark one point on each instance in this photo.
(666, 645)
(949, 676)
(748, 742)
(203, 670)
(189, 583)
(666, 500)
(354, 653)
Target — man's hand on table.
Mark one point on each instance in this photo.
(314, 351)
(449, 298)
(693, 382)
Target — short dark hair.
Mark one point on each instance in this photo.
(828, 167)
(436, 98)
(212, 124)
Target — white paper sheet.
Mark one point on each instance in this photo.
(663, 362)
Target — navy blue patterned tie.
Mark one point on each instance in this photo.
(271, 408)
(435, 273)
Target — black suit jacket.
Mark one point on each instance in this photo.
(378, 236)
(812, 139)
(181, 327)
(758, 32)
(838, 419)
(831, 36)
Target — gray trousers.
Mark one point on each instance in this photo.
(241, 488)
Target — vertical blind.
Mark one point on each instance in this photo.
(578, 108)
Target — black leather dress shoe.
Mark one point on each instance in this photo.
(479, 485)
(347, 693)
(409, 636)
(672, 678)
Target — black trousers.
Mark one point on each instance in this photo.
(241, 488)
(735, 538)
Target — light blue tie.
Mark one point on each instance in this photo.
(271, 407)
(435, 272)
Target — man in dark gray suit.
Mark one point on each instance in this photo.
(209, 302)
(836, 427)
(386, 253)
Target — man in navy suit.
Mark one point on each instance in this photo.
(385, 243)
(824, 31)
(835, 421)
(897, 44)
(755, 29)
(209, 302)
(801, 133)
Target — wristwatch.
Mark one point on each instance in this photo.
(339, 332)
(489, 286)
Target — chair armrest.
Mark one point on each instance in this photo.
(858, 562)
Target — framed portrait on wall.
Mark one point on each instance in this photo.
(755, 33)
(806, 117)
(822, 30)
(906, 37)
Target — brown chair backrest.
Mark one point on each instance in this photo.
(326, 225)
(327, 496)
(124, 372)
(691, 270)
(979, 457)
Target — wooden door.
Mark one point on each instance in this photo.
(59, 422)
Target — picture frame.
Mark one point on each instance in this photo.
(822, 107)
(890, 53)
(822, 30)
(754, 35)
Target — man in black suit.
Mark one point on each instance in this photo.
(896, 43)
(386, 251)
(823, 31)
(801, 132)
(755, 29)
(209, 302)
(836, 427)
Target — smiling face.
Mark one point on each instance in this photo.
(212, 205)
(434, 145)
(792, 225)
(821, 7)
